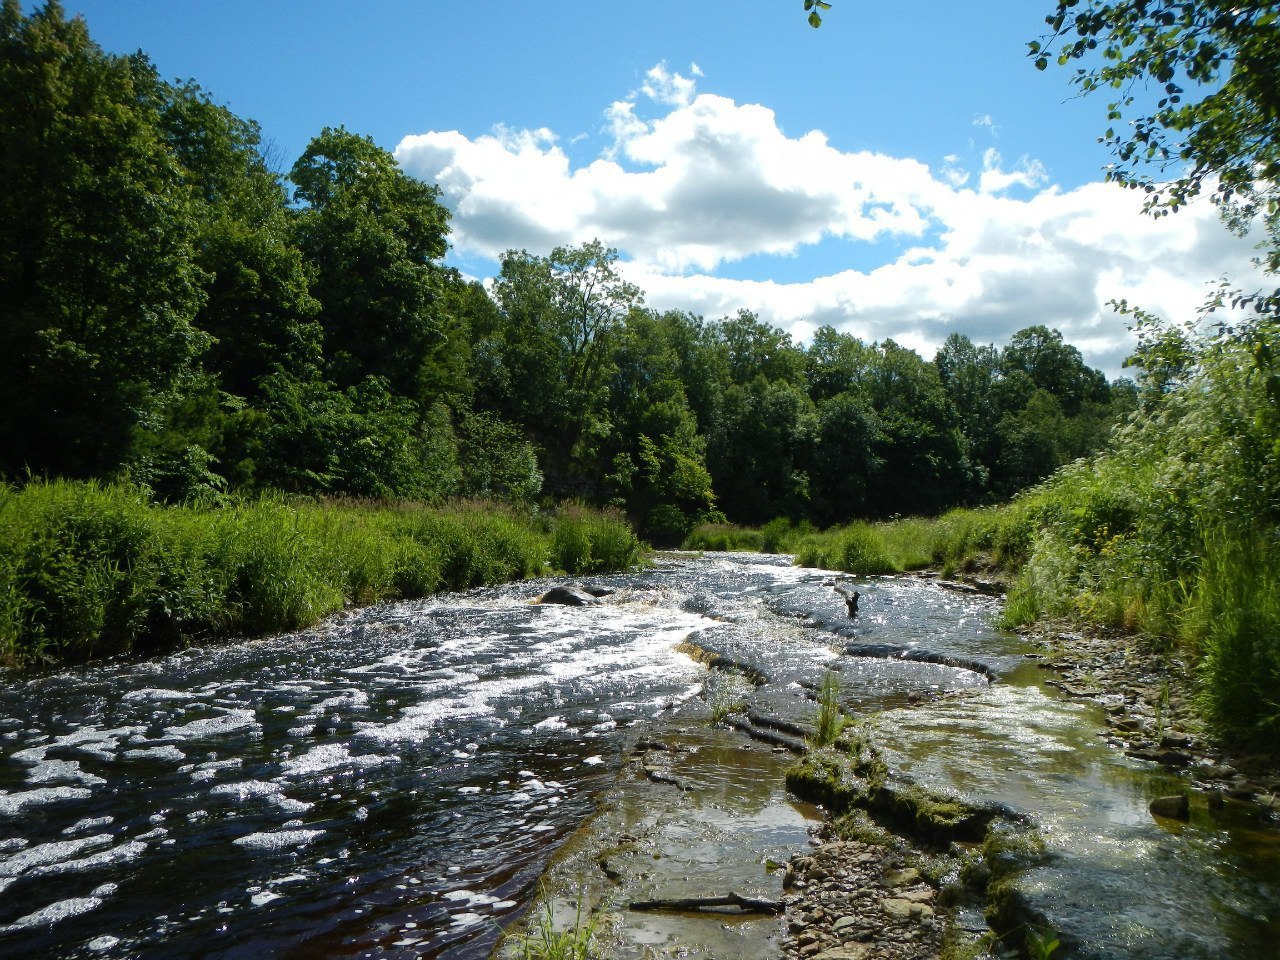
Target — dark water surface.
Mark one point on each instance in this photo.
(394, 782)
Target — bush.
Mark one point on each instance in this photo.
(592, 541)
(89, 570)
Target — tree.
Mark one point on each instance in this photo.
(656, 457)
(1055, 366)
(757, 451)
(258, 307)
(99, 280)
(836, 363)
(546, 363)
(924, 455)
(754, 348)
(844, 468)
(373, 236)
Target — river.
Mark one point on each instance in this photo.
(394, 782)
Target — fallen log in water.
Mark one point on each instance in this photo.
(746, 904)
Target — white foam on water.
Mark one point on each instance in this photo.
(94, 741)
(347, 700)
(55, 913)
(233, 721)
(102, 944)
(88, 823)
(246, 790)
(49, 771)
(48, 853)
(328, 757)
(166, 752)
(116, 855)
(210, 770)
(12, 804)
(469, 898)
(277, 839)
(155, 695)
(264, 897)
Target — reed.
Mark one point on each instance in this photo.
(90, 570)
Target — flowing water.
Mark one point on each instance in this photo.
(394, 782)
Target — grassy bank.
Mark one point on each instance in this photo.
(88, 570)
(1109, 543)
(958, 540)
(1173, 535)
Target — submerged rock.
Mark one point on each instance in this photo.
(1175, 808)
(568, 597)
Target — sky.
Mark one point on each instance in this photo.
(903, 172)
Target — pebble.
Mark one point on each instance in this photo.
(854, 901)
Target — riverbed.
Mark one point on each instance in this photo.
(395, 782)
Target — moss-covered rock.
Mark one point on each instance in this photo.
(829, 778)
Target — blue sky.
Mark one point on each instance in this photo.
(902, 172)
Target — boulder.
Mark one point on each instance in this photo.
(1177, 807)
(568, 596)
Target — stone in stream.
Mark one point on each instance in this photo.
(1177, 807)
(568, 596)
(847, 951)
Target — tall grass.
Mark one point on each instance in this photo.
(829, 720)
(89, 570)
(542, 941)
(724, 537)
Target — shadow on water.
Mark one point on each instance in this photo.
(394, 783)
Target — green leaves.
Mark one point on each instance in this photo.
(813, 7)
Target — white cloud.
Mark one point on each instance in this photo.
(706, 181)
(663, 86)
(1029, 173)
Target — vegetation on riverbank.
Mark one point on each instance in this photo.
(1171, 534)
(90, 570)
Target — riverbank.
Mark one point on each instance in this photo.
(1013, 808)
(1076, 550)
(1150, 705)
(89, 571)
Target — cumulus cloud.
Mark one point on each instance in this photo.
(687, 182)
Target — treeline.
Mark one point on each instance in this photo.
(179, 315)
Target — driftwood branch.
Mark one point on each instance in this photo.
(746, 904)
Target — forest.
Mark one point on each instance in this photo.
(182, 316)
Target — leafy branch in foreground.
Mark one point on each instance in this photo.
(813, 7)
(1195, 95)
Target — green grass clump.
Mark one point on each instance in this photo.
(830, 720)
(585, 540)
(858, 548)
(726, 693)
(90, 570)
(723, 538)
(542, 941)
